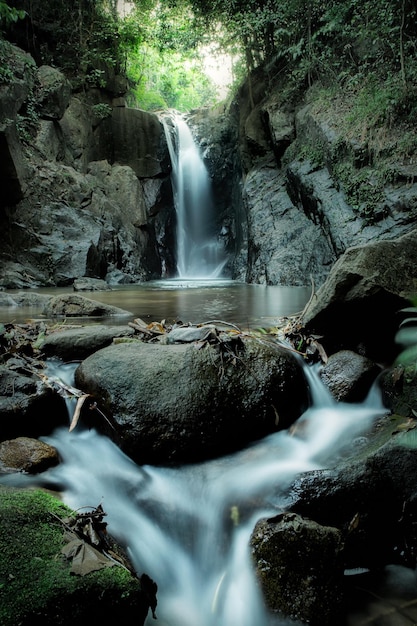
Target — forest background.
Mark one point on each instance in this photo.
(363, 50)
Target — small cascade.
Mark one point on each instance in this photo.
(189, 527)
(200, 253)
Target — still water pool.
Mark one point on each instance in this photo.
(193, 301)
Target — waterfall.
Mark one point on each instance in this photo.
(200, 254)
(189, 527)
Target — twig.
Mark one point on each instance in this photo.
(310, 300)
(220, 322)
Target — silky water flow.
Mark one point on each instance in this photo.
(189, 527)
(200, 252)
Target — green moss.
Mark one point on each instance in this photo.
(36, 585)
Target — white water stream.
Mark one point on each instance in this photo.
(189, 527)
(200, 254)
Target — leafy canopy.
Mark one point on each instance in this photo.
(159, 44)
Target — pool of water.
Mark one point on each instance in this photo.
(193, 301)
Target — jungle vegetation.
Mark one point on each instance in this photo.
(368, 47)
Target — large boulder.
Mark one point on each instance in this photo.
(93, 224)
(358, 307)
(54, 93)
(371, 499)
(179, 403)
(20, 77)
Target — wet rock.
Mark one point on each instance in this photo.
(90, 284)
(53, 94)
(27, 407)
(6, 300)
(79, 343)
(179, 403)
(358, 305)
(371, 499)
(24, 454)
(399, 389)
(74, 305)
(300, 567)
(188, 334)
(349, 376)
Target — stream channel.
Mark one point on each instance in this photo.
(189, 527)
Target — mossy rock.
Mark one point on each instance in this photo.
(36, 584)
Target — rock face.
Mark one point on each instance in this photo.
(285, 247)
(292, 215)
(179, 403)
(86, 199)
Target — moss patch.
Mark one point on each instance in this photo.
(36, 586)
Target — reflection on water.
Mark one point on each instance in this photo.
(194, 301)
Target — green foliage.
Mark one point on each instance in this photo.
(101, 111)
(9, 15)
(168, 80)
(364, 189)
(358, 45)
(36, 584)
(407, 338)
(27, 121)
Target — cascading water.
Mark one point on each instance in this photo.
(200, 254)
(189, 527)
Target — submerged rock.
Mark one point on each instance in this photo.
(27, 455)
(179, 403)
(74, 305)
(90, 284)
